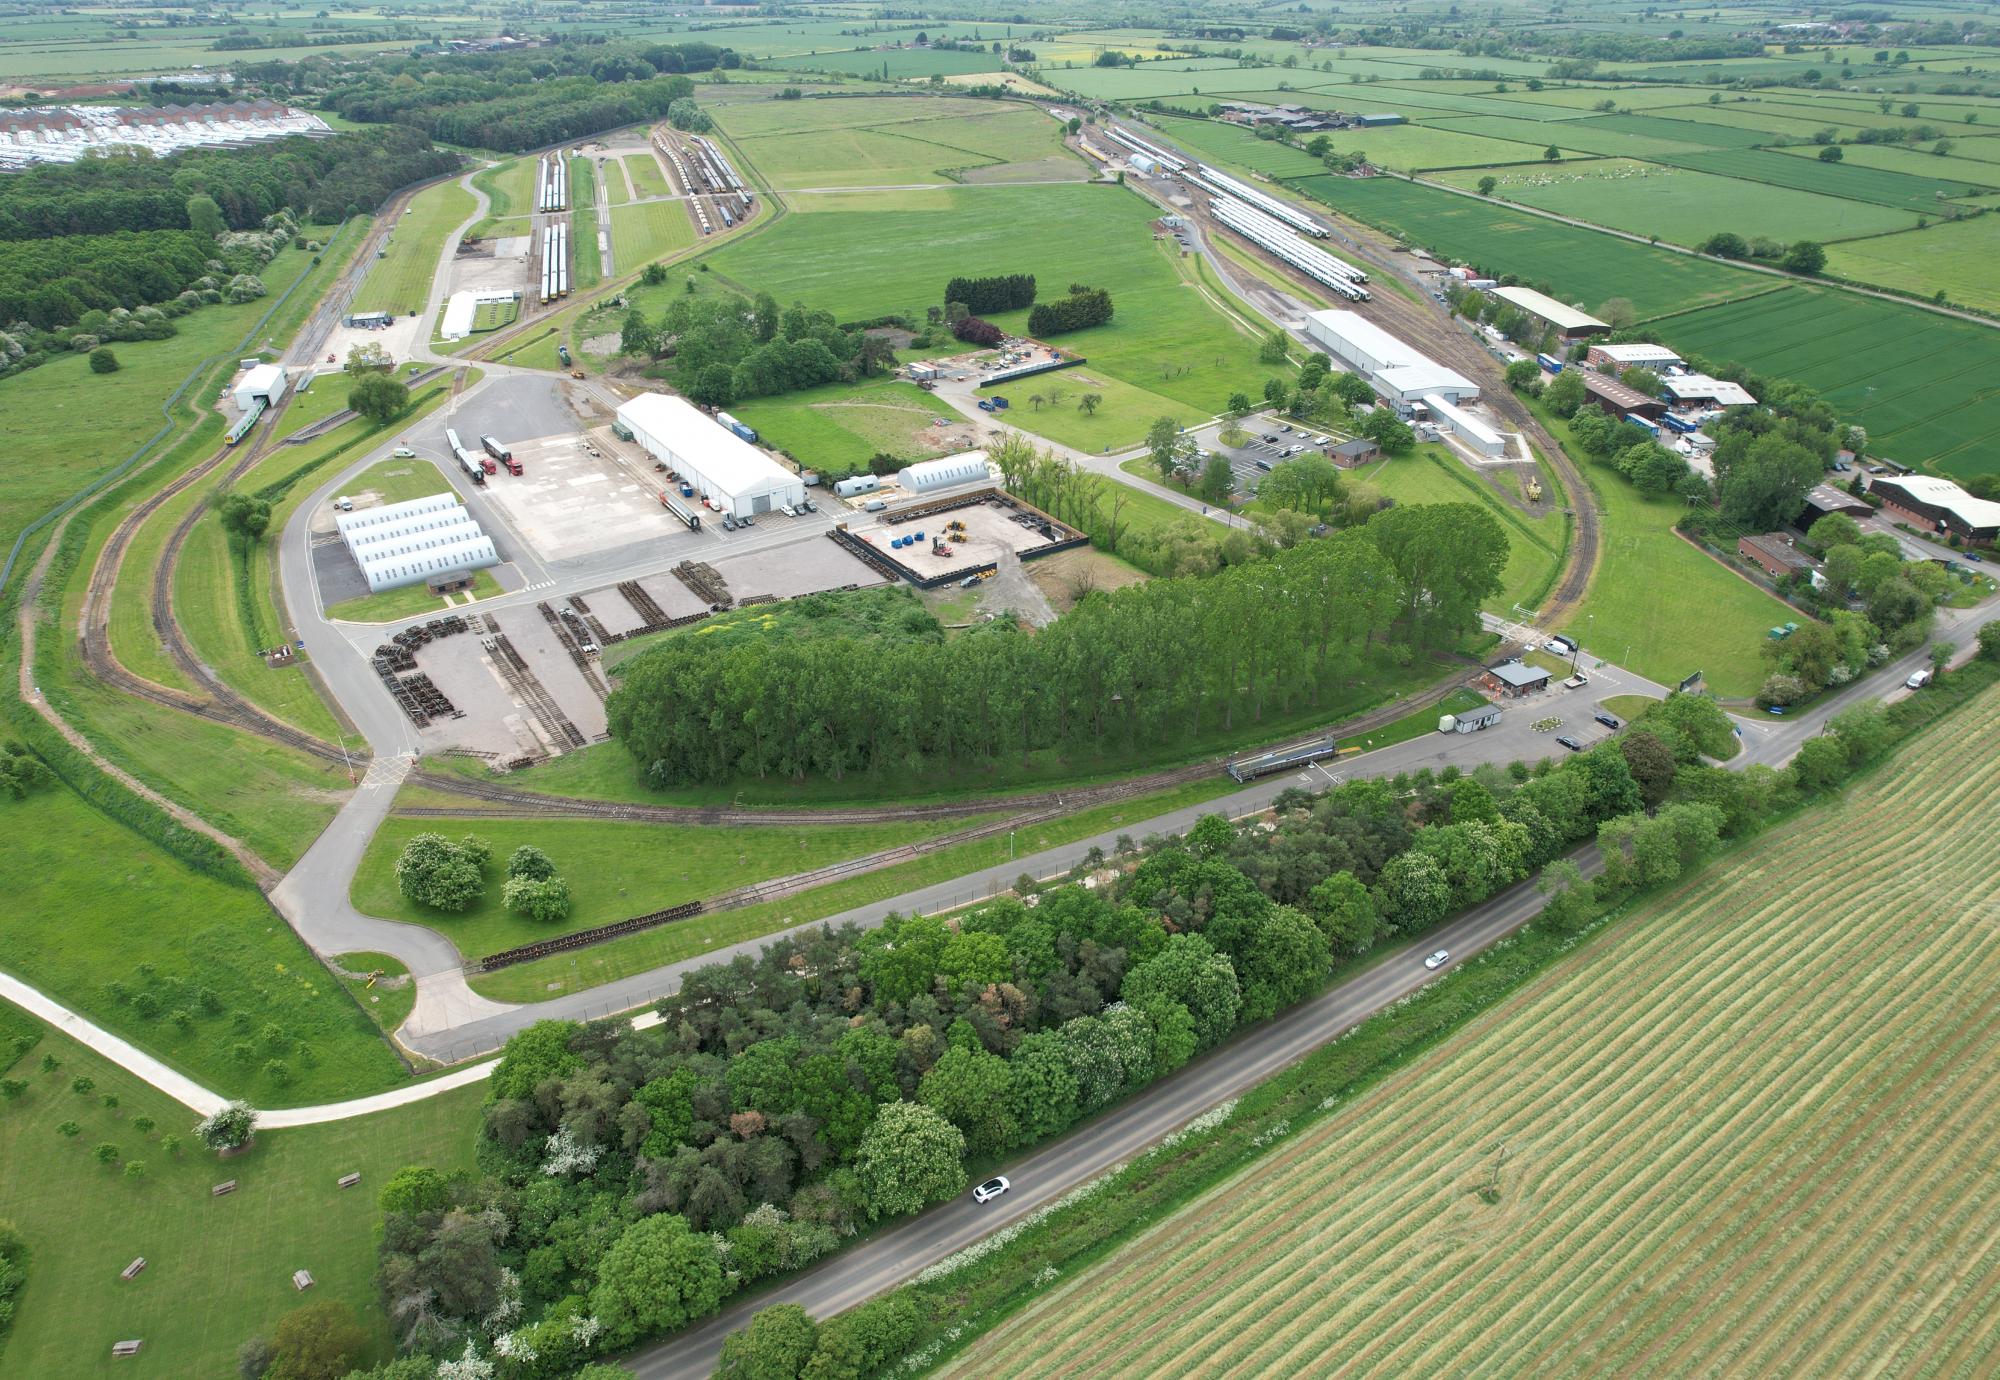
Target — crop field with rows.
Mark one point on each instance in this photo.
(1746, 1133)
(1926, 387)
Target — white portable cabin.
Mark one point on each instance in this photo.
(717, 462)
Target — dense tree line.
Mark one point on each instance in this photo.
(1136, 667)
(984, 296)
(513, 101)
(1084, 307)
(724, 348)
(52, 282)
(634, 1180)
(319, 179)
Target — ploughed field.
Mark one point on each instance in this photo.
(1746, 1133)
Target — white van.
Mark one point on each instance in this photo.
(1918, 679)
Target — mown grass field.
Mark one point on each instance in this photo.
(586, 264)
(894, 64)
(400, 281)
(614, 871)
(510, 191)
(93, 904)
(1433, 474)
(1923, 385)
(1746, 1133)
(647, 231)
(1879, 185)
(862, 263)
(648, 177)
(1960, 258)
(218, 1269)
(837, 428)
(888, 141)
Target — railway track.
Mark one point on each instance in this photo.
(1437, 334)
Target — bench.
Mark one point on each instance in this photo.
(130, 1348)
(223, 1189)
(301, 1280)
(132, 1271)
(349, 1180)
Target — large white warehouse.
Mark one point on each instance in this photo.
(1396, 370)
(721, 466)
(404, 543)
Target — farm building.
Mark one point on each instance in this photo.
(1380, 121)
(421, 540)
(722, 467)
(1822, 499)
(1352, 455)
(1620, 400)
(1565, 320)
(1395, 370)
(943, 474)
(264, 384)
(1775, 553)
(1939, 505)
(1465, 426)
(1515, 678)
(1623, 357)
(1700, 388)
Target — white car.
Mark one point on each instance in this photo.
(1438, 959)
(788, 510)
(990, 1190)
(404, 453)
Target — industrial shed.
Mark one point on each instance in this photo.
(1394, 369)
(1467, 427)
(944, 474)
(724, 469)
(1626, 356)
(264, 384)
(406, 543)
(1700, 388)
(1565, 320)
(1620, 400)
(1938, 504)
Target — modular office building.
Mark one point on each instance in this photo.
(723, 468)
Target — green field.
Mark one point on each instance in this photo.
(400, 280)
(1637, 610)
(615, 871)
(1738, 1140)
(1959, 165)
(889, 141)
(586, 263)
(893, 65)
(1584, 265)
(217, 1269)
(1682, 206)
(647, 231)
(510, 189)
(648, 177)
(1851, 180)
(835, 429)
(394, 605)
(1960, 258)
(91, 904)
(1923, 385)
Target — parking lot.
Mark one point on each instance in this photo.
(1273, 440)
(582, 495)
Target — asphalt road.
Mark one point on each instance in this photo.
(1105, 1142)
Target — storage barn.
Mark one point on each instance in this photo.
(266, 384)
(1700, 388)
(1623, 357)
(1565, 320)
(1394, 369)
(944, 474)
(1939, 505)
(1617, 399)
(722, 466)
(406, 543)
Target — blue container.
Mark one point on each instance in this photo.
(918, 537)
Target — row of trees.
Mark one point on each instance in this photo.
(319, 179)
(1130, 669)
(635, 1180)
(1084, 307)
(983, 296)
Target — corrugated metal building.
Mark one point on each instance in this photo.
(1392, 367)
(944, 474)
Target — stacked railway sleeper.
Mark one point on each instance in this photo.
(576, 639)
(395, 662)
(707, 584)
(643, 604)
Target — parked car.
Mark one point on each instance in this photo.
(1572, 744)
(403, 453)
(728, 523)
(1975, 558)
(788, 510)
(1271, 440)
(991, 1189)
(745, 521)
(1610, 721)
(1438, 959)
(1918, 679)
(1577, 681)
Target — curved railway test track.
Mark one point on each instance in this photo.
(1423, 324)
